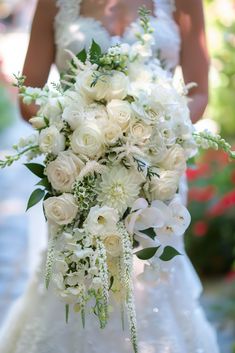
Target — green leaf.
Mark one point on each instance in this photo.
(169, 253)
(149, 232)
(37, 169)
(147, 253)
(36, 196)
(82, 56)
(95, 52)
(44, 182)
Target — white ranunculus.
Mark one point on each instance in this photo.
(113, 244)
(88, 140)
(165, 187)
(62, 209)
(139, 132)
(63, 171)
(120, 112)
(37, 122)
(175, 160)
(112, 132)
(51, 140)
(101, 220)
(118, 86)
(97, 91)
(52, 109)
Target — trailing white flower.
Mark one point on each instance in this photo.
(127, 281)
(104, 276)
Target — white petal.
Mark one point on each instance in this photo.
(150, 218)
(139, 204)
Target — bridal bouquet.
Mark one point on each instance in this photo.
(115, 135)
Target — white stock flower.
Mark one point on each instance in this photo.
(88, 140)
(63, 171)
(119, 188)
(101, 220)
(51, 140)
(37, 122)
(62, 209)
(164, 187)
(52, 110)
(175, 160)
(120, 112)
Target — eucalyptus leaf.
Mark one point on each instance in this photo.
(36, 196)
(147, 253)
(149, 232)
(169, 253)
(37, 169)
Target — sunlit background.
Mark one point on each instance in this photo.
(210, 240)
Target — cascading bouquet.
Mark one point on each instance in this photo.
(116, 135)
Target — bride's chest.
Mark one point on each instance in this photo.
(80, 32)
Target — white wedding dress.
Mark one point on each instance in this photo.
(170, 319)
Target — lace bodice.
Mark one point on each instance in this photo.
(74, 32)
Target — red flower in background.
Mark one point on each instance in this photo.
(200, 228)
(227, 201)
(198, 172)
(202, 194)
(230, 277)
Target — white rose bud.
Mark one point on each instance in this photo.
(113, 244)
(64, 170)
(112, 132)
(51, 140)
(88, 140)
(118, 86)
(120, 112)
(140, 132)
(165, 187)
(62, 209)
(95, 91)
(175, 160)
(37, 122)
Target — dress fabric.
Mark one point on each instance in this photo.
(169, 317)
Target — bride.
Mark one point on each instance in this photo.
(170, 319)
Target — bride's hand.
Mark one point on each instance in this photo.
(194, 55)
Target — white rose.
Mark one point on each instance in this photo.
(113, 244)
(118, 86)
(112, 132)
(51, 140)
(62, 209)
(165, 187)
(140, 132)
(37, 122)
(88, 140)
(120, 112)
(175, 160)
(64, 170)
(95, 91)
(101, 220)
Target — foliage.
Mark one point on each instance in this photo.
(211, 237)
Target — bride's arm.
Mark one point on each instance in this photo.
(41, 51)
(194, 54)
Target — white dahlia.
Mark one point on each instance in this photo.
(119, 188)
